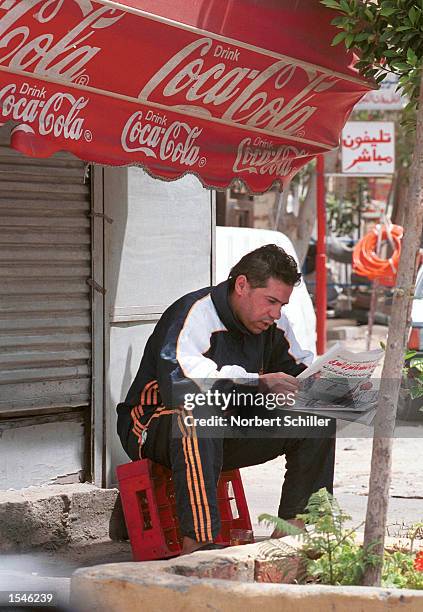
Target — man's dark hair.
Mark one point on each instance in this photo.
(268, 261)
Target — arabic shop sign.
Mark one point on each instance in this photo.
(385, 98)
(368, 147)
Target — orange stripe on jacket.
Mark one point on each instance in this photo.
(144, 391)
(151, 396)
(137, 427)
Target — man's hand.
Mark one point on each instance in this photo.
(278, 382)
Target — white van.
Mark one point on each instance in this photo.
(234, 242)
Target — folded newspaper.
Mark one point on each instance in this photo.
(339, 384)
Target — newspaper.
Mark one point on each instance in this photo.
(339, 384)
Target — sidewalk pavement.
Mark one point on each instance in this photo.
(262, 483)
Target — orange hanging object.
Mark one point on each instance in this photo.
(367, 263)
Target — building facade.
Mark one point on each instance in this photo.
(89, 259)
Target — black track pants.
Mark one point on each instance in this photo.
(196, 463)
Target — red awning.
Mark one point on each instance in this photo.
(224, 89)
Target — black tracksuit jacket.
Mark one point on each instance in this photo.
(197, 338)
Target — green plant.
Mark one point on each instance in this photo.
(329, 553)
(412, 373)
(388, 34)
(399, 571)
(342, 215)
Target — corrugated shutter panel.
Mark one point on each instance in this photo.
(45, 261)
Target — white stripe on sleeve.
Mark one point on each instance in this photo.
(297, 353)
(194, 340)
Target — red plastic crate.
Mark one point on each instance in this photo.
(149, 506)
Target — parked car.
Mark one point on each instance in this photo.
(410, 409)
(234, 242)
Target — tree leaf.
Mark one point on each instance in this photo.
(417, 363)
(370, 16)
(411, 57)
(340, 21)
(400, 66)
(416, 392)
(338, 38)
(387, 11)
(331, 4)
(362, 36)
(345, 6)
(280, 524)
(349, 39)
(413, 15)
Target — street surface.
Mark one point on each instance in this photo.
(262, 482)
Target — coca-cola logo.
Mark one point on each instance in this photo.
(275, 161)
(269, 99)
(154, 139)
(56, 116)
(48, 54)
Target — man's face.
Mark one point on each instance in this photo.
(258, 308)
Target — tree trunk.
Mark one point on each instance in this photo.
(299, 228)
(307, 216)
(400, 194)
(306, 220)
(380, 476)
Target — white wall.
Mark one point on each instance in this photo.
(34, 454)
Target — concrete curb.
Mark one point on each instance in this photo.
(59, 515)
(221, 581)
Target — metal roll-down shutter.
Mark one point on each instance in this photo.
(45, 262)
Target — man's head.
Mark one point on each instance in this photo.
(260, 284)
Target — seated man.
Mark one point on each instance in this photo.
(230, 332)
